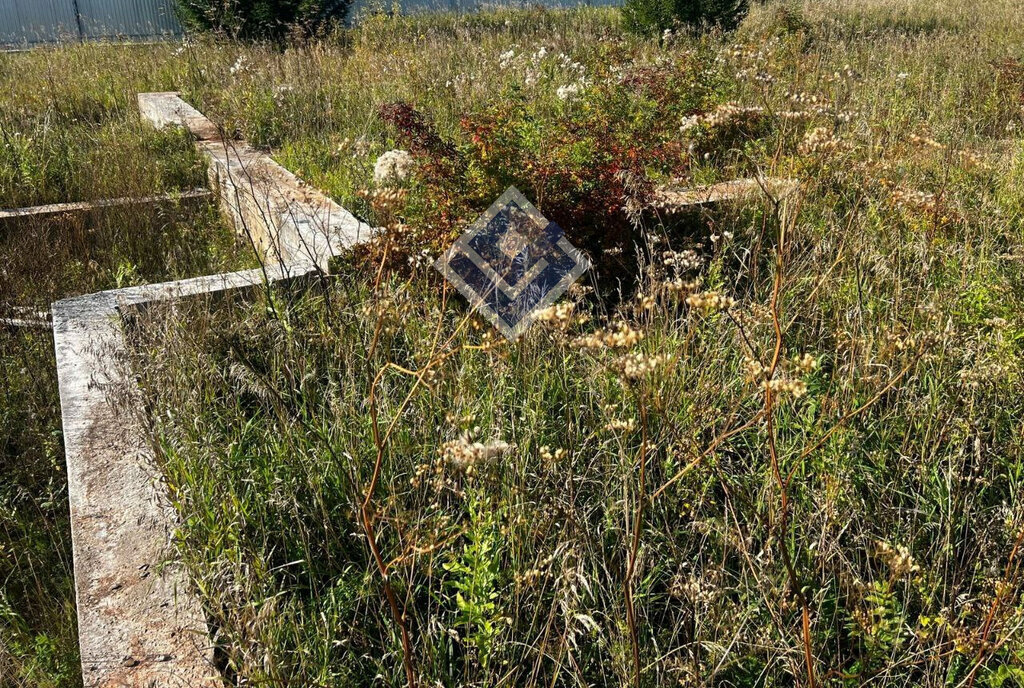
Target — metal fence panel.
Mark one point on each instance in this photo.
(27, 22)
(127, 18)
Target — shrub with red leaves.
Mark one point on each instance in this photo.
(587, 164)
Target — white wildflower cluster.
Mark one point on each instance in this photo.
(646, 302)
(621, 425)
(679, 286)
(559, 315)
(421, 260)
(393, 166)
(710, 301)
(914, 199)
(806, 99)
(241, 65)
(762, 53)
(569, 91)
(622, 336)
(751, 62)
(686, 260)
(804, 364)
(639, 365)
(819, 140)
(755, 370)
(726, 113)
(788, 384)
(465, 455)
(458, 82)
(571, 65)
(506, 58)
(359, 148)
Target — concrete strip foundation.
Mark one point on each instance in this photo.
(139, 624)
(673, 199)
(284, 218)
(85, 207)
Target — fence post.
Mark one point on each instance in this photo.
(78, 20)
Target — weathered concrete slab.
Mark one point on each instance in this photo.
(283, 217)
(139, 624)
(168, 109)
(679, 199)
(84, 207)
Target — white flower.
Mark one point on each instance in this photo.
(241, 65)
(394, 165)
(689, 123)
(568, 91)
(505, 59)
(539, 55)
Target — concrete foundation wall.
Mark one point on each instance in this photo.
(139, 623)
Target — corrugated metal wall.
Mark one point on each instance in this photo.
(36, 21)
(27, 22)
(128, 18)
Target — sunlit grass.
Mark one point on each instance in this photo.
(882, 502)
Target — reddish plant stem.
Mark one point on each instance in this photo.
(397, 613)
(782, 481)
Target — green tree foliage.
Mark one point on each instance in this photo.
(261, 19)
(655, 16)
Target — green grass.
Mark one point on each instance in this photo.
(68, 134)
(874, 491)
(38, 642)
(856, 523)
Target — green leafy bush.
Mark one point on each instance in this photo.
(271, 19)
(656, 16)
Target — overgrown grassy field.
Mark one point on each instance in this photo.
(773, 444)
(783, 449)
(63, 138)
